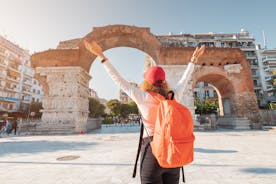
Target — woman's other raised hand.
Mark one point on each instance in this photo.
(94, 48)
(197, 53)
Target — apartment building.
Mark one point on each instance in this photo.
(18, 88)
(267, 64)
(93, 93)
(36, 91)
(204, 90)
(124, 98)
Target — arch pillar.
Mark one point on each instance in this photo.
(173, 75)
(245, 104)
(65, 104)
(226, 106)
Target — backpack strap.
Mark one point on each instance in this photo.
(183, 175)
(169, 96)
(156, 96)
(139, 148)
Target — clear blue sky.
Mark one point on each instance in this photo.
(40, 24)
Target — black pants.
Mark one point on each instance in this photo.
(151, 172)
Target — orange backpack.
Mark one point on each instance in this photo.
(173, 138)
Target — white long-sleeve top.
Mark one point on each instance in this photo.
(145, 102)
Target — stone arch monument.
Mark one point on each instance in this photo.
(63, 73)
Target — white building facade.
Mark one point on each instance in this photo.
(124, 98)
(267, 64)
(17, 88)
(93, 93)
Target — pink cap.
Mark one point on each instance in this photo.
(154, 74)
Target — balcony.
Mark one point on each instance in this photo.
(28, 75)
(26, 91)
(29, 83)
(14, 70)
(268, 78)
(11, 89)
(26, 101)
(3, 65)
(270, 88)
(268, 69)
(255, 76)
(254, 66)
(269, 60)
(251, 57)
(257, 85)
(11, 99)
(12, 79)
(248, 48)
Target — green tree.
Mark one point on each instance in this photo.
(130, 108)
(207, 106)
(133, 107)
(272, 105)
(274, 78)
(125, 110)
(114, 106)
(96, 109)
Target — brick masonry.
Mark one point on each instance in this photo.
(225, 68)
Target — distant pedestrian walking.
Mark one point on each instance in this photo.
(8, 125)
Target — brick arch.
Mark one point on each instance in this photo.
(121, 36)
(64, 71)
(73, 52)
(221, 82)
(236, 86)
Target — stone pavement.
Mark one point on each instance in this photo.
(107, 156)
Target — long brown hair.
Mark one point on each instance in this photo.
(162, 89)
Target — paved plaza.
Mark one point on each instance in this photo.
(106, 156)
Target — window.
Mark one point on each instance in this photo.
(206, 93)
(195, 94)
(255, 82)
(215, 94)
(254, 72)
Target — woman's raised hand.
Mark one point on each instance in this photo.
(94, 48)
(197, 53)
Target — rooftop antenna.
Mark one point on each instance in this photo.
(265, 40)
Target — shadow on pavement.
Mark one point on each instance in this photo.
(260, 170)
(116, 129)
(41, 146)
(203, 150)
(66, 163)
